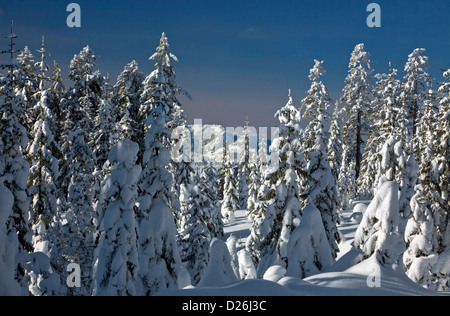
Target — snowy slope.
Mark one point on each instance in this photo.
(344, 278)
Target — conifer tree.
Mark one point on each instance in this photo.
(28, 83)
(356, 99)
(443, 160)
(158, 249)
(256, 212)
(230, 203)
(78, 218)
(417, 81)
(126, 97)
(57, 91)
(116, 263)
(421, 241)
(14, 169)
(244, 170)
(196, 235)
(346, 183)
(284, 207)
(385, 150)
(207, 184)
(335, 144)
(316, 102)
(322, 191)
(80, 105)
(42, 152)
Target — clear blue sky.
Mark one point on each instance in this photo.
(238, 58)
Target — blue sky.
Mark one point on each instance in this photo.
(238, 58)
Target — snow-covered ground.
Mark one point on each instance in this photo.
(344, 278)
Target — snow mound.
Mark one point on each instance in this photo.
(358, 212)
(257, 288)
(219, 270)
(368, 278)
(275, 273)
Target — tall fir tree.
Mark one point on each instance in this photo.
(322, 191)
(422, 232)
(42, 152)
(244, 169)
(259, 197)
(316, 103)
(116, 264)
(356, 100)
(157, 241)
(14, 226)
(78, 217)
(14, 169)
(126, 96)
(80, 105)
(381, 159)
(284, 207)
(230, 203)
(335, 143)
(416, 83)
(347, 183)
(443, 158)
(441, 274)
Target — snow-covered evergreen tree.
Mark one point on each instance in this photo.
(161, 88)
(57, 90)
(316, 103)
(78, 218)
(385, 149)
(106, 132)
(322, 191)
(9, 244)
(427, 230)
(161, 84)
(159, 256)
(14, 169)
(208, 187)
(80, 105)
(183, 172)
(244, 171)
(335, 144)
(346, 183)
(378, 233)
(126, 97)
(28, 83)
(116, 262)
(417, 81)
(44, 172)
(40, 277)
(253, 187)
(309, 249)
(284, 208)
(410, 179)
(421, 240)
(196, 235)
(256, 213)
(443, 160)
(356, 99)
(219, 270)
(230, 203)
